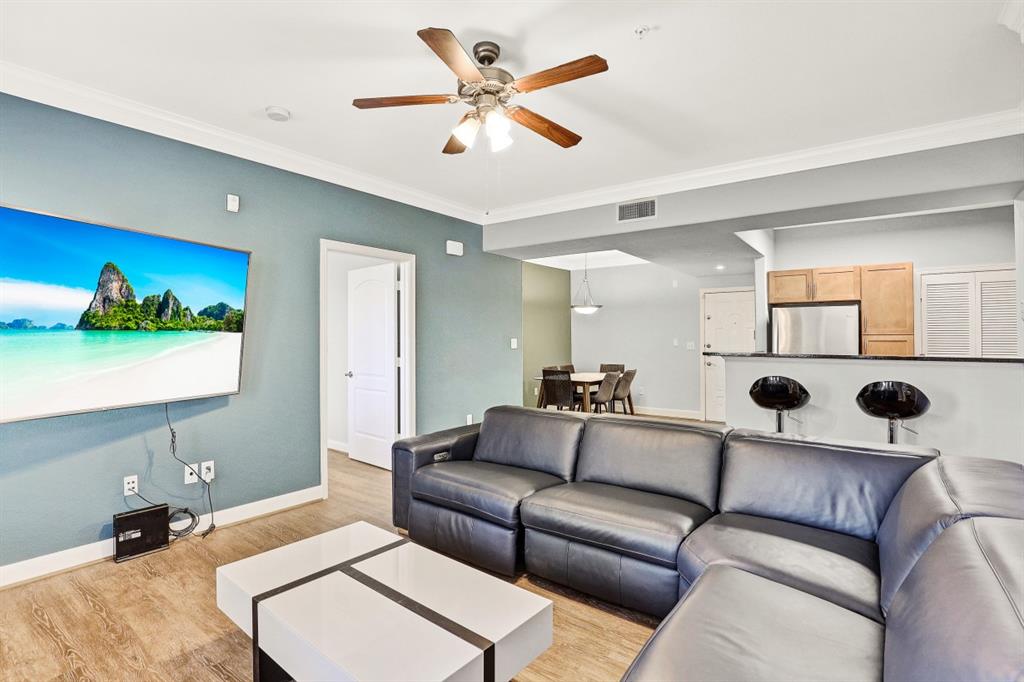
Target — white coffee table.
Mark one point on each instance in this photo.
(361, 603)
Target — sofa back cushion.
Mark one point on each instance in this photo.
(957, 616)
(939, 494)
(680, 460)
(541, 440)
(836, 485)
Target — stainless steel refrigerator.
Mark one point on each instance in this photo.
(816, 329)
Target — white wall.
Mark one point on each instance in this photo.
(338, 267)
(976, 407)
(977, 237)
(764, 241)
(1018, 230)
(643, 312)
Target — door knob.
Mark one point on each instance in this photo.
(708, 364)
(349, 374)
(707, 345)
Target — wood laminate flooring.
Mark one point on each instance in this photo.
(156, 618)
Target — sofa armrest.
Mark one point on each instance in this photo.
(409, 454)
(936, 496)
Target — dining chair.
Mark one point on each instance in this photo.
(599, 401)
(558, 390)
(568, 368)
(622, 392)
(612, 368)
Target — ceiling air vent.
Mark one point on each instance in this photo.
(637, 210)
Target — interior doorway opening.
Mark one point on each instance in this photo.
(367, 351)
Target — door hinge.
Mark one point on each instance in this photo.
(398, 362)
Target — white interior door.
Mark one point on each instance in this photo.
(728, 328)
(372, 360)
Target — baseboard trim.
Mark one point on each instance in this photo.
(337, 445)
(669, 412)
(102, 550)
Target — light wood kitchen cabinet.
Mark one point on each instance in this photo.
(790, 286)
(887, 344)
(836, 284)
(840, 283)
(887, 300)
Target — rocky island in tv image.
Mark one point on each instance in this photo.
(95, 317)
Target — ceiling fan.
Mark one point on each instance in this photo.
(489, 90)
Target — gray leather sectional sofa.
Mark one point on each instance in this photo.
(773, 557)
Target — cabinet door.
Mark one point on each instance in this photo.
(837, 284)
(790, 286)
(887, 344)
(887, 299)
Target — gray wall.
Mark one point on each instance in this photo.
(60, 478)
(976, 237)
(643, 312)
(547, 332)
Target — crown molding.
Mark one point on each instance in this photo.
(57, 92)
(46, 89)
(961, 131)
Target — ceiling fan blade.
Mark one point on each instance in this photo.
(542, 126)
(446, 46)
(401, 101)
(587, 66)
(454, 146)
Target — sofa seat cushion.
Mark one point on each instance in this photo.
(646, 526)
(482, 489)
(839, 568)
(733, 625)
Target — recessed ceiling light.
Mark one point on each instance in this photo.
(719, 267)
(279, 114)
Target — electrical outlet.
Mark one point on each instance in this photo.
(131, 485)
(190, 473)
(469, 419)
(207, 471)
(690, 345)
(536, 390)
(640, 390)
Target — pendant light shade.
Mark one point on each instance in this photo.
(583, 301)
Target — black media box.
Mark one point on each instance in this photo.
(140, 532)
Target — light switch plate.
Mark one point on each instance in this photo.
(514, 343)
(233, 202)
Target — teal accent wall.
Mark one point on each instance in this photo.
(61, 478)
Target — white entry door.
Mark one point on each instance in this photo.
(372, 360)
(728, 328)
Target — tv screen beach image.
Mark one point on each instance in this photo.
(95, 317)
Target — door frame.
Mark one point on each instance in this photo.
(701, 321)
(406, 263)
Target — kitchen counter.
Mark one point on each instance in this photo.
(976, 403)
(912, 358)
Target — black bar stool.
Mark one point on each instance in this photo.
(781, 394)
(893, 400)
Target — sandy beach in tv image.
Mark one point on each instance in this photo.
(94, 317)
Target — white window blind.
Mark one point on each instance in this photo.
(969, 314)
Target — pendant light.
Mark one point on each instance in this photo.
(585, 305)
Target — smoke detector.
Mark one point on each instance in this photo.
(279, 114)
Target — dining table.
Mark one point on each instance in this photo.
(587, 381)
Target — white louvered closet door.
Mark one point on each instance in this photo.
(948, 314)
(970, 314)
(996, 293)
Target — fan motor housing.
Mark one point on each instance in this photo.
(495, 82)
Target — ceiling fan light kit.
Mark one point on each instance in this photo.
(489, 90)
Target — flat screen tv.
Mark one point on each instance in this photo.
(94, 317)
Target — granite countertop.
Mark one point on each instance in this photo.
(909, 358)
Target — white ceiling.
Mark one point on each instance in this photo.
(712, 83)
(592, 260)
